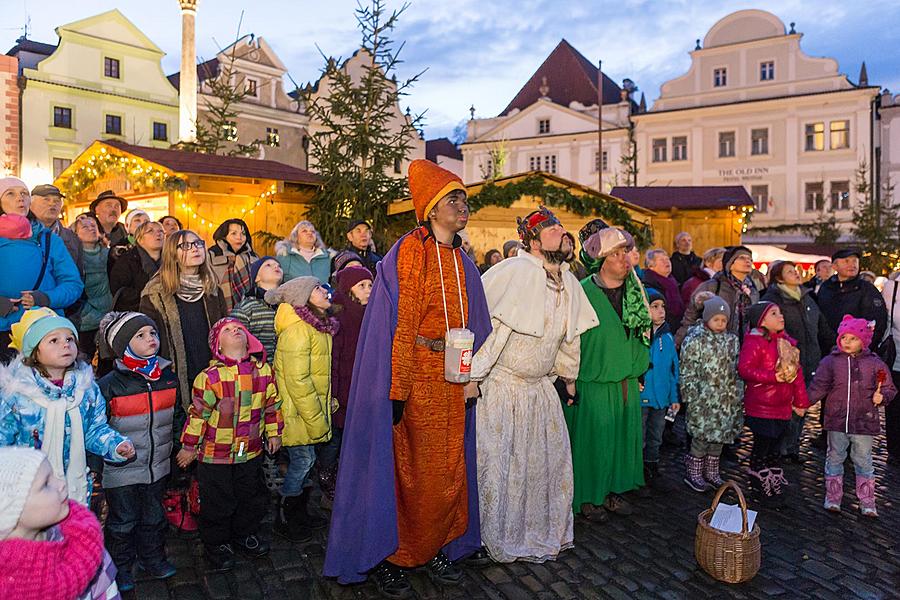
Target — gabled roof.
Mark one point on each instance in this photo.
(182, 161)
(570, 77)
(688, 196)
(441, 147)
(205, 70)
(26, 45)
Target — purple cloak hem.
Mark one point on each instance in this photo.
(364, 516)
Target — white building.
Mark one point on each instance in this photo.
(103, 80)
(889, 173)
(551, 126)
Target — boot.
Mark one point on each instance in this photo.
(310, 520)
(711, 471)
(834, 492)
(391, 581)
(288, 521)
(694, 478)
(778, 480)
(865, 492)
(327, 479)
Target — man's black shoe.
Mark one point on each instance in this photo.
(442, 571)
(391, 581)
(252, 546)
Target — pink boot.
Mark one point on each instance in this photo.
(865, 492)
(834, 492)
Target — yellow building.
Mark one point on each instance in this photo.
(201, 190)
(103, 80)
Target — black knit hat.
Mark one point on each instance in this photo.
(758, 312)
(117, 329)
(731, 253)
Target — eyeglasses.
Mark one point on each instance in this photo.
(191, 245)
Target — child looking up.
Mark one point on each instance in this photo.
(234, 417)
(49, 401)
(854, 382)
(713, 392)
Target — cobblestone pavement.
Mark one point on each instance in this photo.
(806, 552)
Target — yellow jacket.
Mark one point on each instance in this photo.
(303, 374)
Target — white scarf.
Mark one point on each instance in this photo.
(54, 439)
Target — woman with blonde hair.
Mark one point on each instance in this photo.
(184, 300)
(303, 253)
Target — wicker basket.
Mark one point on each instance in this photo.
(728, 557)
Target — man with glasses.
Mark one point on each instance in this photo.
(407, 492)
(46, 204)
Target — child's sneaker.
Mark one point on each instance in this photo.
(865, 491)
(834, 492)
(252, 546)
(220, 558)
(161, 570)
(694, 478)
(124, 580)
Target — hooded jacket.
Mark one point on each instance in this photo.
(847, 384)
(303, 372)
(143, 410)
(661, 380)
(295, 265)
(764, 396)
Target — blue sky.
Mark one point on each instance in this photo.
(481, 51)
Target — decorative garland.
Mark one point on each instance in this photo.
(141, 173)
(505, 195)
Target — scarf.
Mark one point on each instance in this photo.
(635, 308)
(791, 291)
(328, 325)
(148, 264)
(55, 434)
(743, 301)
(61, 566)
(190, 288)
(148, 367)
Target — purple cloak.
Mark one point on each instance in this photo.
(364, 516)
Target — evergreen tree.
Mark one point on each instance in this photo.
(875, 222)
(359, 138)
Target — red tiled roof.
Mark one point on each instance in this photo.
(570, 77)
(688, 196)
(205, 70)
(183, 161)
(441, 147)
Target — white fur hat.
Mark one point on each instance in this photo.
(18, 467)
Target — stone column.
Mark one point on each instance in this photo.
(187, 102)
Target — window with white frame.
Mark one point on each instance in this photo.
(659, 149)
(726, 144)
(759, 142)
(815, 137)
(60, 165)
(760, 195)
(543, 126)
(720, 77)
(679, 147)
(601, 162)
(767, 70)
(815, 196)
(546, 163)
(840, 195)
(840, 134)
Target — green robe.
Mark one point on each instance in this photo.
(605, 426)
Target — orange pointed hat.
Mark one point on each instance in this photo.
(428, 183)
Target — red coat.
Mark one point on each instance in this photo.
(764, 396)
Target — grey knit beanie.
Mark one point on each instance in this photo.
(715, 306)
(295, 292)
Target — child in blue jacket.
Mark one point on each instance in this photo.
(660, 389)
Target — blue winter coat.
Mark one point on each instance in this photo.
(21, 261)
(294, 265)
(21, 418)
(661, 381)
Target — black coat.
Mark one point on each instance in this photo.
(127, 277)
(854, 297)
(370, 258)
(683, 266)
(804, 322)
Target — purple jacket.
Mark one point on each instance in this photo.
(364, 517)
(847, 384)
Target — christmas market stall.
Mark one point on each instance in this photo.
(201, 190)
(713, 215)
(496, 203)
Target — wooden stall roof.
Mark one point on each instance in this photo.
(685, 197)
(406, 205)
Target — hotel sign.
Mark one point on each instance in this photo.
(744, 173)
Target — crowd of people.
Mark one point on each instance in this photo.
(451, 415)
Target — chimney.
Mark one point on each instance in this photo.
(187, 97)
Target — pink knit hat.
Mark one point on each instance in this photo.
(14, 227)
(861, 328)
(254, 346)
(11, 182)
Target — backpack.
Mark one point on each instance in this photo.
(182, 506)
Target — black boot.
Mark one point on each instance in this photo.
(289, 522)
(310, 520)
(391, 581)
(220, 558)
(442, 571)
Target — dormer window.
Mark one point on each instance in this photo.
(767, 71)
(720, 77)
(111, 68)
(543, 126)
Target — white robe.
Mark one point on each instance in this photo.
(524, 457)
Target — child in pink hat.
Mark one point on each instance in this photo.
(854, 382)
